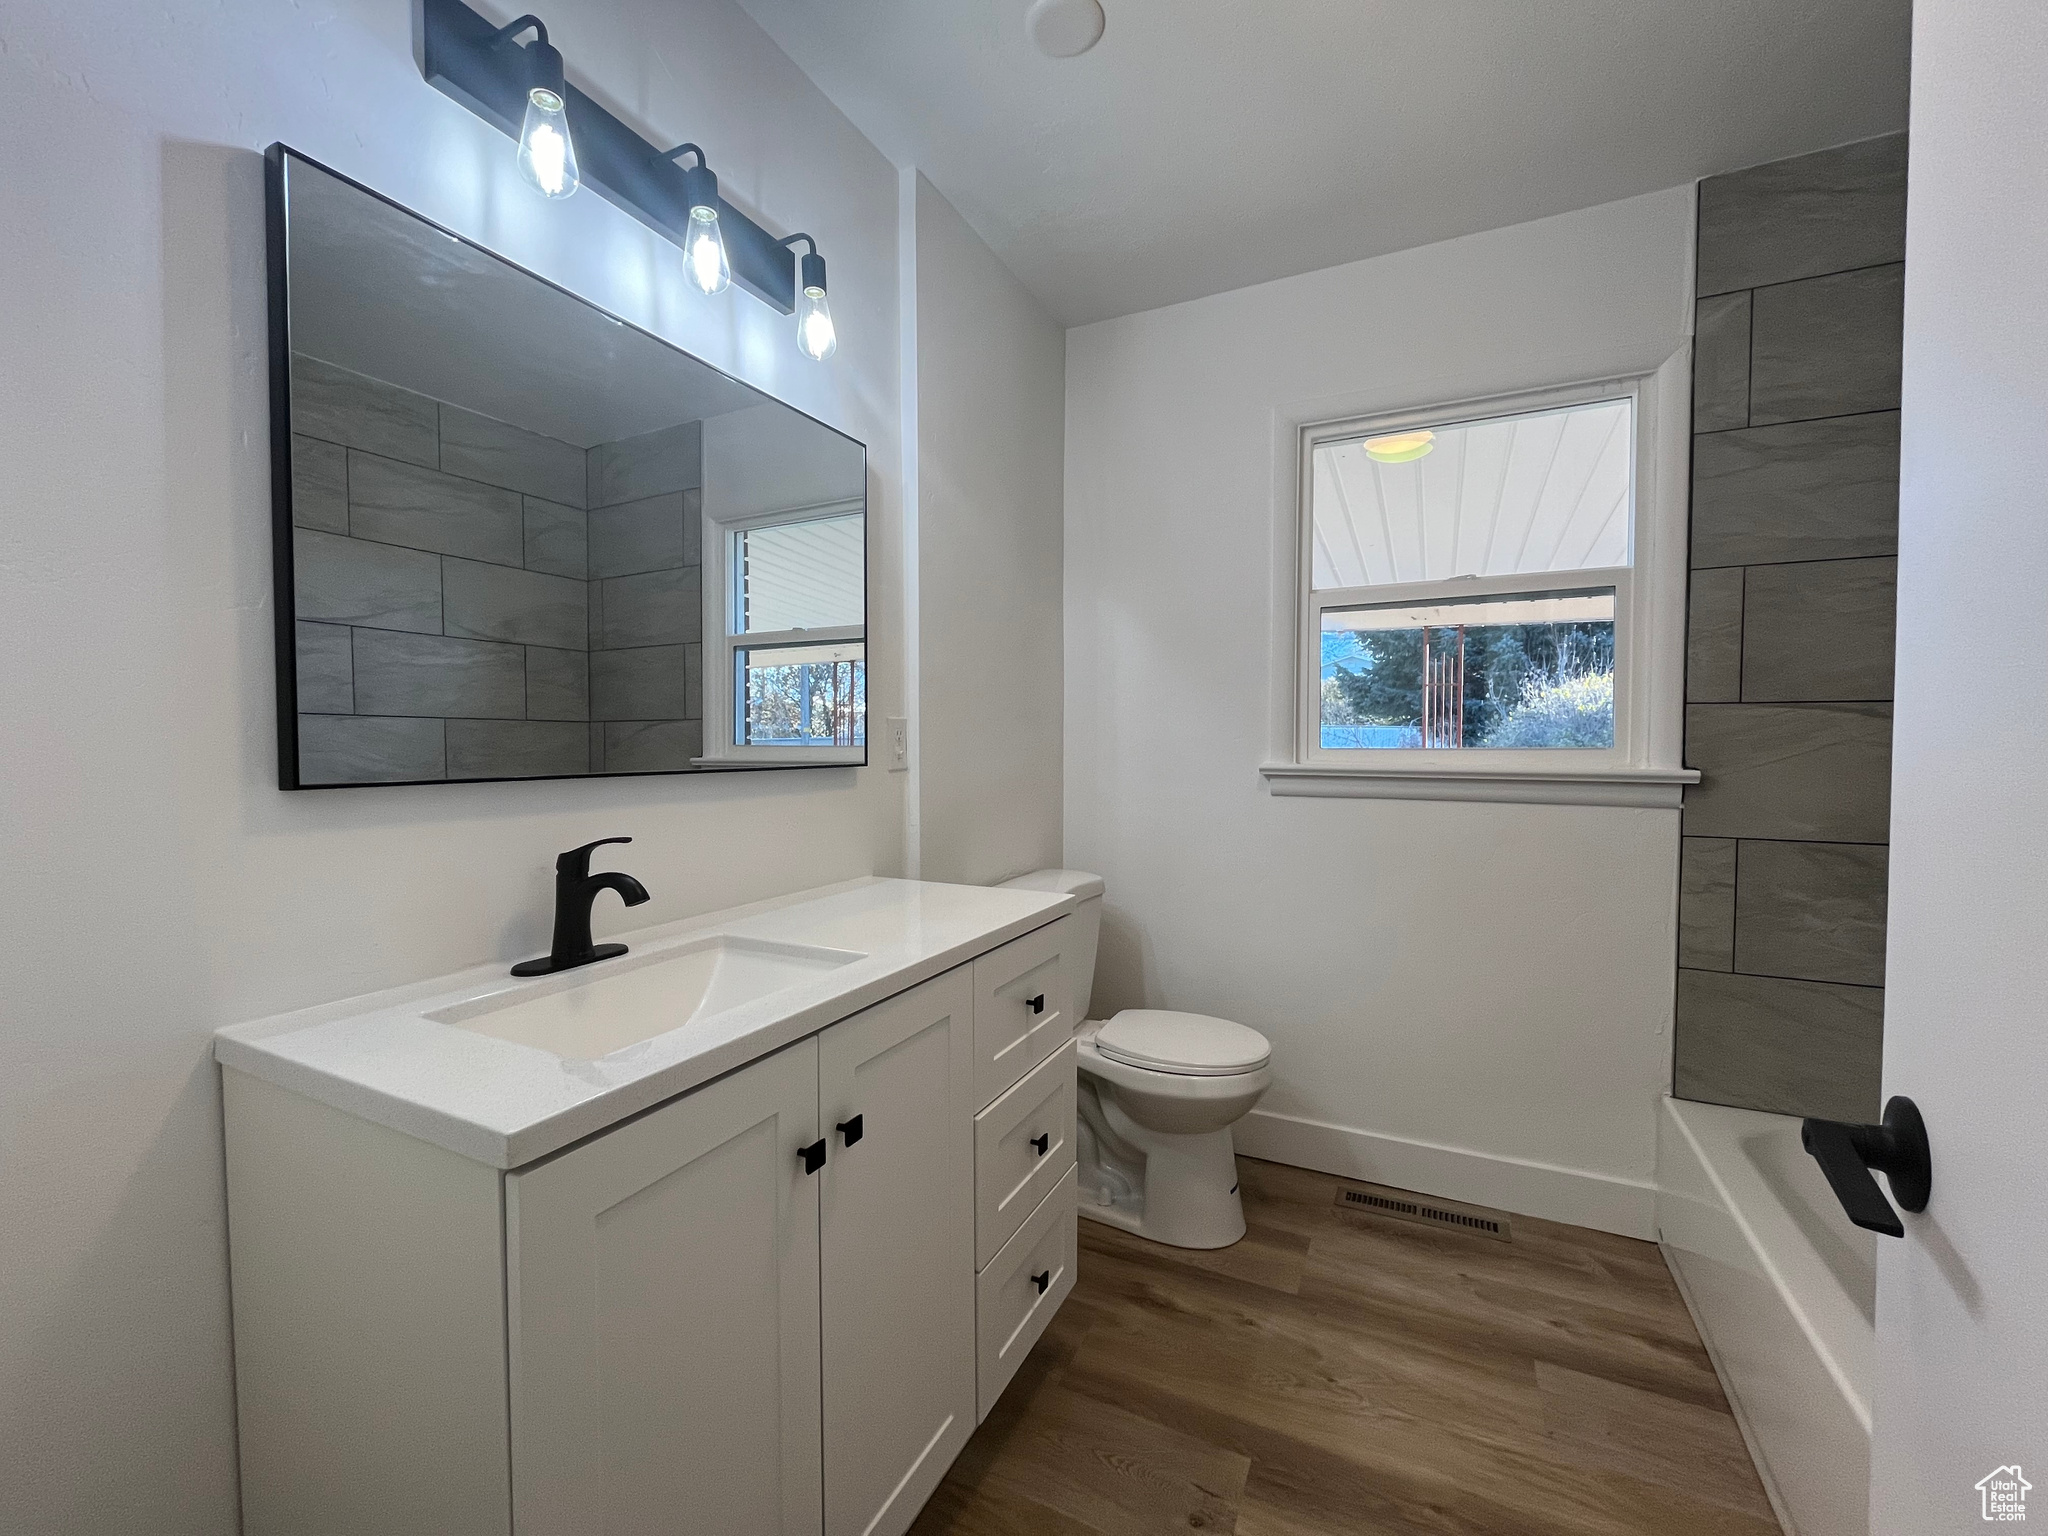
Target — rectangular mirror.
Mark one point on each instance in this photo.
(518, 538)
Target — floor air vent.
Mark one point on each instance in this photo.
(1406, 1205)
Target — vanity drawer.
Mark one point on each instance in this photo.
(1021, 1009)
(1016, 1296)
(1022, 1144)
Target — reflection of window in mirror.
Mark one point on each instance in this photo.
(791, 640)
(785, 591)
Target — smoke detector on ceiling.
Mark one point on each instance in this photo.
(1063, 28)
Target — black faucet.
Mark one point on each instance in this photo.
(576, 890)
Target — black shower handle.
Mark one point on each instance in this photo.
(1896, 1146)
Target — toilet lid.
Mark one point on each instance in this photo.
(1192, 1044)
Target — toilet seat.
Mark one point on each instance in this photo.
(1184, 1044)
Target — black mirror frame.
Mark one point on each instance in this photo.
(283, 569)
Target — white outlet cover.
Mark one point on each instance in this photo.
(1060, 29)
(899, 743)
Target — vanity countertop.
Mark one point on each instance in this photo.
(382, 1058)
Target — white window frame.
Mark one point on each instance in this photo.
(1643, 766)
(722, 748)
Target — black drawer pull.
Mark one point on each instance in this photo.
(1043, 1143)
(850, 1130)
(1036, 1004)
(813, 1155)
(1042, 1279)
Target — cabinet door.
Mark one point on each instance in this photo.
(898, 1253)
(663, 1298)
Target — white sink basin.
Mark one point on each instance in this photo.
(583, 1015)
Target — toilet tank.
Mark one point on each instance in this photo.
(1086, 889)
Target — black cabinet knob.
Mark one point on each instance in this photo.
(1042, 1279)
(1043, 1143)
(1036, 1004)
(813, 1156)
(850, 1130)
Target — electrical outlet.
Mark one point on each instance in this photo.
(899, 744)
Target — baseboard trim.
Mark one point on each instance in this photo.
(1571, 1195)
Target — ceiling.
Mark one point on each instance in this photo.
(1207, 144)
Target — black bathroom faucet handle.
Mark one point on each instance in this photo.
(577, 860)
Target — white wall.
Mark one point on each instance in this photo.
(157, 883)
(1470, 999)
(1962, 1313)
(990, 386)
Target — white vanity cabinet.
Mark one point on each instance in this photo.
(776, 1305)
(676, 1285)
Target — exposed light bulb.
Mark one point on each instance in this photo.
(704, 251)
(814, 332)
(547, 155)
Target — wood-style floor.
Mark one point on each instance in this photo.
(1343, 1372)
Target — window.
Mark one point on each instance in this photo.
(1532, 670)
(789, 629)
(1470, 583)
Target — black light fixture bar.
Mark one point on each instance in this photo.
(459, 57)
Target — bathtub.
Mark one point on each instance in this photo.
(1784, 1291)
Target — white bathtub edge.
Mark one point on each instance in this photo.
(1796, 1401)
(1742, 1207)
(1673, 1261)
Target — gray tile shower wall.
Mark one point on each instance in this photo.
(1781, 906)
(646, 601)
(449, 574)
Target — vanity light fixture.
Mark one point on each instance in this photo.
(547, 154)
(703, 245)
(1400, 447)
(814, 331)
(522, 90)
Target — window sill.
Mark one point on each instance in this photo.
(791, 757)
(1652, 788)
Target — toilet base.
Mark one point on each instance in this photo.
(1189, 1197)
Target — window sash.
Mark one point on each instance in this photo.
(735, 542)
(805, 649)
(1411, 527)
(1474, 759)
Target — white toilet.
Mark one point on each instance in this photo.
(1159, 1092)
